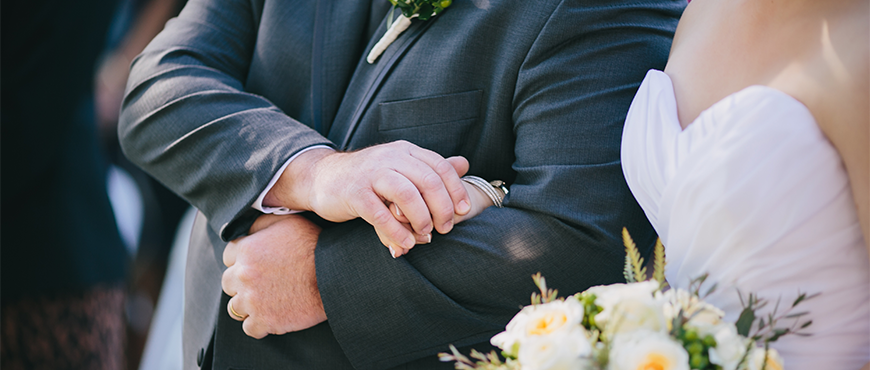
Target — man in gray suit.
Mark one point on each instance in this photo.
(530, 92)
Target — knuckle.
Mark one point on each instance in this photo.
(225, 281)
(382, 217)
(380, 173)
(431, 181)
(360, 192)
(443, 167)
(406, 194)
(442, 213)
(246, 275)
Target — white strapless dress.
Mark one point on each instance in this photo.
(753, 193)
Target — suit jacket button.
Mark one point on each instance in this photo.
(200, 356)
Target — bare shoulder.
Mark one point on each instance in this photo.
(816, 51)
(842, 108)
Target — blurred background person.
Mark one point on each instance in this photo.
(148, 213)
(63, 262)
(71, 296)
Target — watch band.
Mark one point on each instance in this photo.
(495, 190)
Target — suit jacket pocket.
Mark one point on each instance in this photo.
(439, 123)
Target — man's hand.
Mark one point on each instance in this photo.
(343, 186)
(271, 276)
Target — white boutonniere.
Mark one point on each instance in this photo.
(422, 9)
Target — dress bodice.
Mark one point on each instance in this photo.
(754, 194)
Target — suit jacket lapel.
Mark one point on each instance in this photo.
(367, 80)
(338, 27)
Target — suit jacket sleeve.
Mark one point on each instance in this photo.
(563, 216)
(187, 120)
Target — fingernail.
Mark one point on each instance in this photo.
(463, 207)
(427, 229)
(428, 238)
(448, 226)
(409, 243)
(398, 212)
(392, 251)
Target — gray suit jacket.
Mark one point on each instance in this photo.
(531, 92)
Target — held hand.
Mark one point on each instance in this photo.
(479, 202)
(271, 277)
(344, 186)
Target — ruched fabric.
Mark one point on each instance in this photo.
(754, 194)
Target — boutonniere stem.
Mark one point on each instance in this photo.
(422, 9)
(396, 29)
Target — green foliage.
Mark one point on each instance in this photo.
(627, 272)
(424, 9)
(547, 295)
(767, 329)
(634, 270)
(590, 309)
(659, 263)
(744, 322)
(489, 361)
(697, 347)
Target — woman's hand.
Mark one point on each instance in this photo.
(479, 202)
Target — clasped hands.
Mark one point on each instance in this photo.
(404, 191)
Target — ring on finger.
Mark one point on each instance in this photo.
(236, 314)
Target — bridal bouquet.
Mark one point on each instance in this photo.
(636, 325)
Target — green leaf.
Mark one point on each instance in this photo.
(803, 297)
(778, 333)
(744, 322)
(390, 15)
(627, 272)
(660, 262)
(677, 325)
(798, 314)
(425, 12)
(636, 261)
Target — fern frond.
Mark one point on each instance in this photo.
(627, 271)
(634, 255)
(660, 262)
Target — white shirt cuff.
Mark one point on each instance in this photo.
(258, 204)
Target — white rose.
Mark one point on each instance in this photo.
(608, 296)
(634, 314)
(730, 347)
(540, 320)
(564, 350)
(697, 311)
(755, 360)
(647, 350)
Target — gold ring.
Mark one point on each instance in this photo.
(236, 314)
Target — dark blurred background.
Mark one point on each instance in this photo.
(85, 237)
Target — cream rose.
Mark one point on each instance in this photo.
(730, 346)
(563, 350)
(647, 350)
(756, 361)
(700, 313)
(540, 320)
(609, 296)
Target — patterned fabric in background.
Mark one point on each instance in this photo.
(66, 331)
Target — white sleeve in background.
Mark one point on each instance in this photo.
(258, 204)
